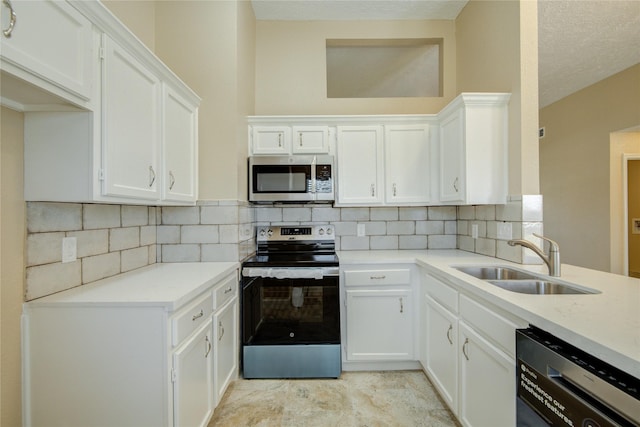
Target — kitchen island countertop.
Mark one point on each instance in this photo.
(606, 324)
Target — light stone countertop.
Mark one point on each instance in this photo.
(169, 285)
(606, 325)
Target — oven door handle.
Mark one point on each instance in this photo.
(291, 273)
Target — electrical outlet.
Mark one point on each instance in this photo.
(69, 249)
(505, 231)
(360, 231)
(474, 231)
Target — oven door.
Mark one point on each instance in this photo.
(281, 178)
(280, 310)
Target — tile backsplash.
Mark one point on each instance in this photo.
(113, 239)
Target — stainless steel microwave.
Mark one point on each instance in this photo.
(297, 178)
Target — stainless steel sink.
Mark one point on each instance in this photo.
(539, 287)
(495, 273)
(522, 282)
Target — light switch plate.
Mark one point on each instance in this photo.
(69, 249)
(505, 231)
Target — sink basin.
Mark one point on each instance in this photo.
(495, 273)
(522, 282)
(538, 287)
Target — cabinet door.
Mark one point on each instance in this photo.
(407, 156)
(50, 40)
(310, 139)
(271, 139)
(452, 157)
(360, 165)
(441, 359)
(487, 382)
(131, 123)
(379, 324)
(180, 145)
(226, 352)
(193, 380)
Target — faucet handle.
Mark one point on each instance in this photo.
(553, 245)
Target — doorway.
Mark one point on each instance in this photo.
(633, 215)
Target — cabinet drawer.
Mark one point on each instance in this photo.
(190, 318)
(225, 291)
(445, 295)
(491, 325)
(377, 277)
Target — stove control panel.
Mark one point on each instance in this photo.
(306, 232)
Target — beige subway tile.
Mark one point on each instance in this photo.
(48, 279)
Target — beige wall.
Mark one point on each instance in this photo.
(622, 143)
(291, 66)
(12, 236)
(137, 15)
(575, 165)
(497, 51)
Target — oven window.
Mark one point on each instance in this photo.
(281, 178)
(291, 311)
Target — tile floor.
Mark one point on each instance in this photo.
(359, 399)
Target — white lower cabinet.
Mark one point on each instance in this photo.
(469, 355)
(379, 314)
(487, 382)
(133, 350)
(226, 357)
(441, 350)
(379, 324)
(193, 380)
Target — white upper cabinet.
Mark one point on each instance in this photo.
(137, 141)
(180, 145)
(360, 165)
(407, 162)
(270, 137)
(46, 56)
(386, 164)
(271, 140)
(310, 139)
(131, 125)
(473, 149)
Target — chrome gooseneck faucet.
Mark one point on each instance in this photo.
(552, 260)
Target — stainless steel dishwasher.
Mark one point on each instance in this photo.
(561, 385)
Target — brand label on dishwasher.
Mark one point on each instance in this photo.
(556, 405)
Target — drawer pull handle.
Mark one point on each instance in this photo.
(449, 334)
(226, 291)
(197, 316)
(152, 176)
(464, 348)
(209, 346)
(378, 277)
(401, 305)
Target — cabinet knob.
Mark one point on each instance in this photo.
(12, 19)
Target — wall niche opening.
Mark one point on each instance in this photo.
(384, 68)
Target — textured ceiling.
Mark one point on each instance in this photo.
(580, 41)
